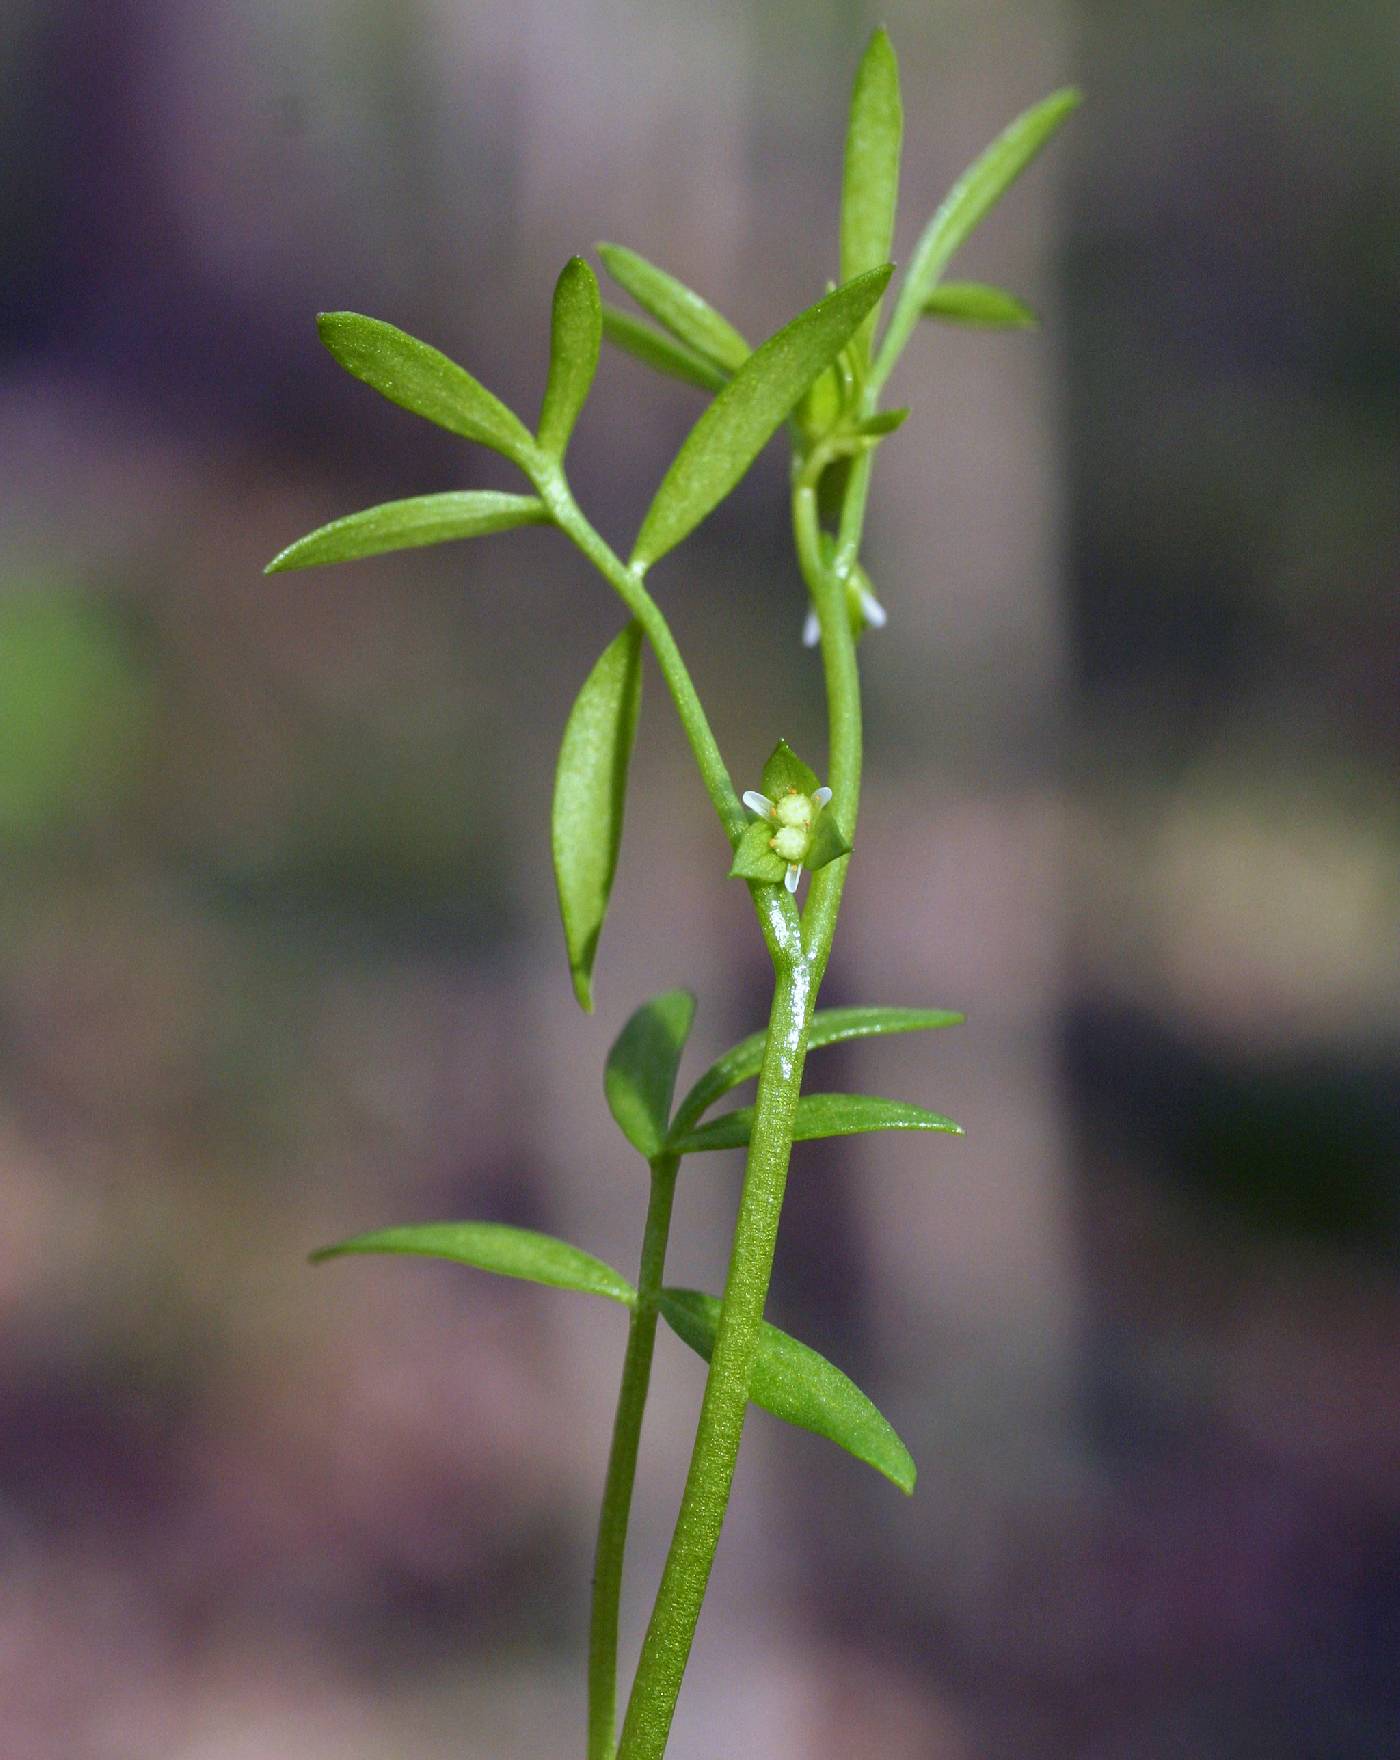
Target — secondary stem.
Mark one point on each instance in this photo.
(622, 1466)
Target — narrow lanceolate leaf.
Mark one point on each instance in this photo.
(640, 1076)
(830, 1026)
(410, 373)
(973, 302)
(739, 423)
(590, 788)
(966, 205)
(659, 352)
(870, 185)
(693, 321)
(796, 1384)
(575, 336)
(818, 1115)
(495, 1246)
(405, 525)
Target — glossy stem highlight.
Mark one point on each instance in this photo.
(666, 1647)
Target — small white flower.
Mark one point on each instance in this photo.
(795, 825)
(875, 614)
(865, 610)
(794, 815)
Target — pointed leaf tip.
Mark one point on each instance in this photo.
(693, 321)
(818, 1115)
(419, 378)
(660, 352)
(870, 174)
(785, 771)
(830, 1026)
(798, 1385)
(964, 208)
(498, 1247)
(410, 524)
(576, 334)
(746, 414)
(979, 306)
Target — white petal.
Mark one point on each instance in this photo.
(758, 803)
(794, 874)
(875, 614)
(820, 796)
(811, 630)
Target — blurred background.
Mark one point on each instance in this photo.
(279, 957)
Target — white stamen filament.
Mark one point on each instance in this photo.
(875, 614)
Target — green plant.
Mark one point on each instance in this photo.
(822, 375)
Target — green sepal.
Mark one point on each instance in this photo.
(590, 790)
(753, 859)
(640, 1076)
(828, 841)
(419, 378)
(798, 1385)
(864, 436)
(407, 525)
(785, 773)
(658, 351)
(870, 177)
(693, 321)
(965, 206)
(976, 303)
(735, 428)
(817, 1115)
(498, 1247)
(830, 1026)
(576, 334)
(820, 408)
(833, 487)
(883, 422)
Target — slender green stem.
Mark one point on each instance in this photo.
(671, 1632)
(622, 1466)
(666, 1647)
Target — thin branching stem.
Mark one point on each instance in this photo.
(670, 1634)
(777, 915)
